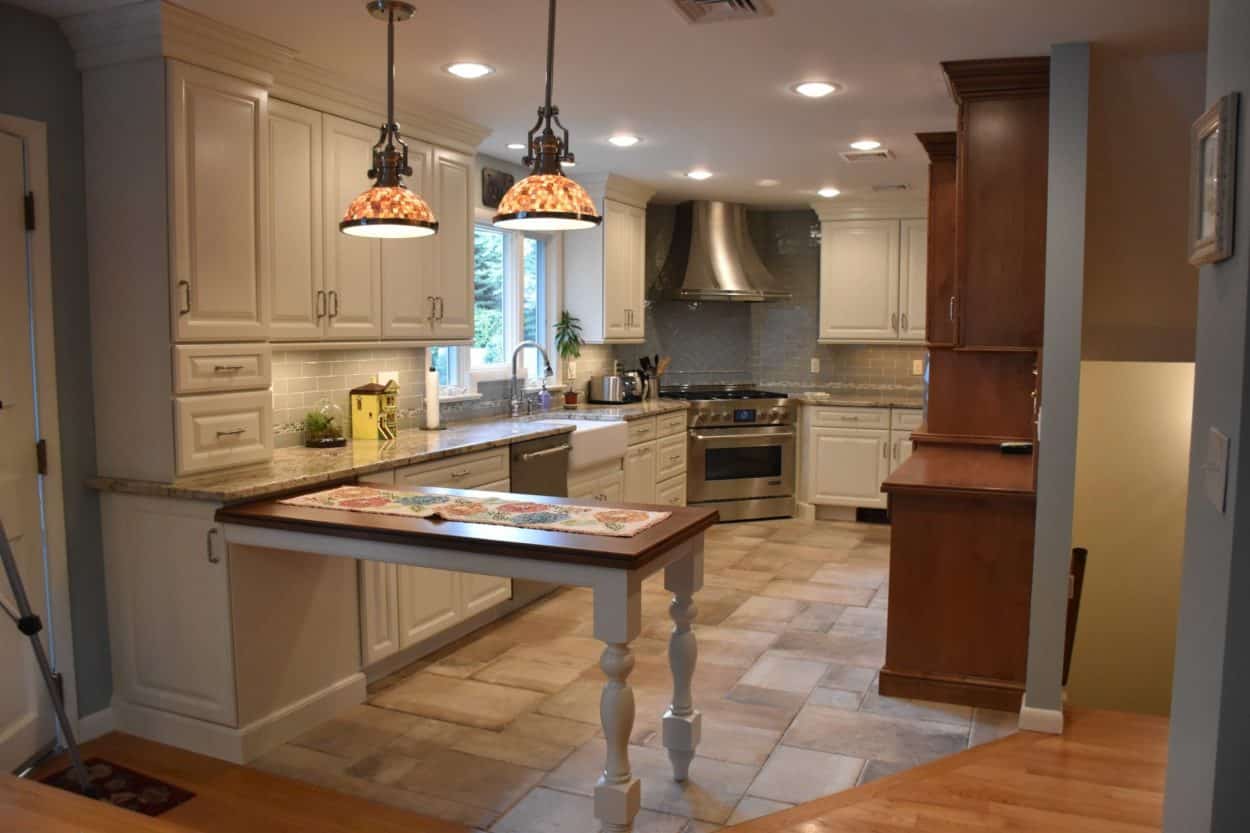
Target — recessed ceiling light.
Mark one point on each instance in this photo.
(767, 183)
(815, 89)
(468, 69)
(624, 140)
(828, 192)
(516, 146)
(699, 173)
(866, 144)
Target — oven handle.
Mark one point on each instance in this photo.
(778, 436)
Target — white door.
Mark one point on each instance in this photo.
(428, 602)
(913, 279)
(618, 280)
(353, 265)
(219, 187)
(297, 299)
(859, 280)
(453, 281)
(847, 466)
(409, 266)
(26, 723)
(640, 474)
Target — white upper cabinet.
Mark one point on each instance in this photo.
(452, 282)
(605, 267)
(297, 299)
(408, 303)
(872, 280)
(353, 265)
(218, 204)
(913, 278)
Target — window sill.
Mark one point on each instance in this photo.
(444, 398)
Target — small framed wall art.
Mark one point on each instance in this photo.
(1212, 182)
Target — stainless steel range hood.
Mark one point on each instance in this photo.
(712, 259)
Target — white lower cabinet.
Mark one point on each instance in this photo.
(671, 492)
(604, 483)
(849, 452)
(640, 473)
(404, 606)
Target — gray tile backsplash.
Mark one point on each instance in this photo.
(769, 343)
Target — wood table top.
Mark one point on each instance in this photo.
(490, 539)
(963, 468)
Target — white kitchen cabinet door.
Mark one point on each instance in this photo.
(859, 281)
(913, 279)
(353, 265)
(640, 473)
(452, 281)
(846, 466)
(635, 277)
(478, 592)
(427, 602)
(618, 265)
(379, 611)
(900, 449)
(297, 301)
(409, 266)
(219, 205)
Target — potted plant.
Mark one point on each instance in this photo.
(323, 427)
(569, 346)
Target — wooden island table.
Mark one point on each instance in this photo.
(612, 567)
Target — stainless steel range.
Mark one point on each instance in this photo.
(741, 447)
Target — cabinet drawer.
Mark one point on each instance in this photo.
(851, 417)
(671, 457)
(671, 492)
(223, 430)
(905, 419)
(641, 430)
(211, 368)
(673, 423)
(467, 471)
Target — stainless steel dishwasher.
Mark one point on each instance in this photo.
(541, 467)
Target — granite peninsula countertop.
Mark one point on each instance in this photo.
(860, 399)
(297, 468)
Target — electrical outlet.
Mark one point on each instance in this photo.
(917, 367)
(572, 367)
(815, 365)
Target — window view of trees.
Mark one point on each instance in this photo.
(532, 294)
(490, 248)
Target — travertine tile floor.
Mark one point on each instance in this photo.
(501, 731)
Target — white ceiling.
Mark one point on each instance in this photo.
(712, 95)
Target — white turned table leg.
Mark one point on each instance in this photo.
(682, 724)
(618, 614)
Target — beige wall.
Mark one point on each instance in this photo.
(1140, 291)
(1131, 480)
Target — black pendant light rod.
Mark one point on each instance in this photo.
(390, 163)
(551, 57)
(547, 151)
(390, 66)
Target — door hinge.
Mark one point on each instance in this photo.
(41, 456)
(29, 204)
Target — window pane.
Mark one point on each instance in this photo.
(534, 290)
(490, 249)
(441, 359)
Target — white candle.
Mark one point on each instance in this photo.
(431, 399)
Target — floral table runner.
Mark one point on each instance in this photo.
(501, 511)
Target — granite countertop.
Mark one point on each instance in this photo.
(612, 413)
(861, 399)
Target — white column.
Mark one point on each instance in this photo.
(618, 619)
(682, 724)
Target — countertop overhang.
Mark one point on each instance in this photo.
(964, 469)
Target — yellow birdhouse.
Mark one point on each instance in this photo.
(375, 411)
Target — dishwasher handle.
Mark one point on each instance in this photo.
(546, 452)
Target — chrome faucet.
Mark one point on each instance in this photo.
(516, 382)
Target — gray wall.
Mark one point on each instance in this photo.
(1061, 370)
(1209, 747)
(38, 81)
(770, 343)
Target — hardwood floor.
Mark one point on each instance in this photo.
(1103, 775)
(228, 799)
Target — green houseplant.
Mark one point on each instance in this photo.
(569, 346)
(323, 428)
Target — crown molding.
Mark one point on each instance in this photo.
(940, 146)
(911, 205)
(158, 29)
(997, 78)
(616, 187)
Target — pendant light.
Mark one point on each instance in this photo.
(547, 200)
(389, 209)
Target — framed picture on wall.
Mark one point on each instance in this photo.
(1212, 171)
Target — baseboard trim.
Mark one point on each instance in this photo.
(246, 744)
(1033, 719)
(833, 513)
(964, 691)
(96, 724)
(805, 511)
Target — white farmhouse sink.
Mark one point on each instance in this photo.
(596, 441)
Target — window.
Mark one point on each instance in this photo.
(513, 288)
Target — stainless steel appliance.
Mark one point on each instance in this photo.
(541, 467)
(741, 450)
(617, 388)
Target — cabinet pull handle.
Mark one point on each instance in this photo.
(885, 452)
(433, 308)
(950, 311)
(440, 307)
(546, 452)
(185, 286)
(236, 432)
(894, 451)
(213, 557)
(903, 321)
(461, 473)
(334, 296)
(227, 368)
(321, 304)
(894, 322)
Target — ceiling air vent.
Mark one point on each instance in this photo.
(855, 156)
(898, 186)
(714, 11)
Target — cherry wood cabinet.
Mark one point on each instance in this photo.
(940, 319)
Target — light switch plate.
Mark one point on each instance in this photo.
(815, 365)
(917, 367)
(1215, 469)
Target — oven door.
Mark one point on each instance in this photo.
(741, 462)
